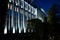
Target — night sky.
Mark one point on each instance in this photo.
(46, 4)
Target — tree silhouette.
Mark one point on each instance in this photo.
(52, 20)
(52, 14)
(37, 25)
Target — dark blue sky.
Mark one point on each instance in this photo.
(46, 4)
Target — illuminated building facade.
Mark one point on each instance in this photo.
(18, 13)
(40, 14)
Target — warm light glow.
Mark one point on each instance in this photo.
(13, 30)
(41, 19)
(5, 30)
(24, 29)
(20, 29)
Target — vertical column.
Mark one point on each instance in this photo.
(27, 15)
(19, 24)
(9, 22)
(5, 29)
(16, 25)
(19, 17)
(12, 20)
(24, 19)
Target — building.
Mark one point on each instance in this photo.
(19, 11)
(40, 14)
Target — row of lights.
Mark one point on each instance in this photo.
(20, 30)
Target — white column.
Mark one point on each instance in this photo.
(22, 5)
(27, 15)
(5, 29)
(24, 25)
(12, 20)
(24, 21)
(19, 24)
(9, 23)
(36, 12)
(16, 24)
(19, 17)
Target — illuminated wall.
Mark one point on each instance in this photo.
(40, 14)
(18, 13)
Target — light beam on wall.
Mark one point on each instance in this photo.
(5, 29)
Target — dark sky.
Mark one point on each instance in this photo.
(46, 4)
